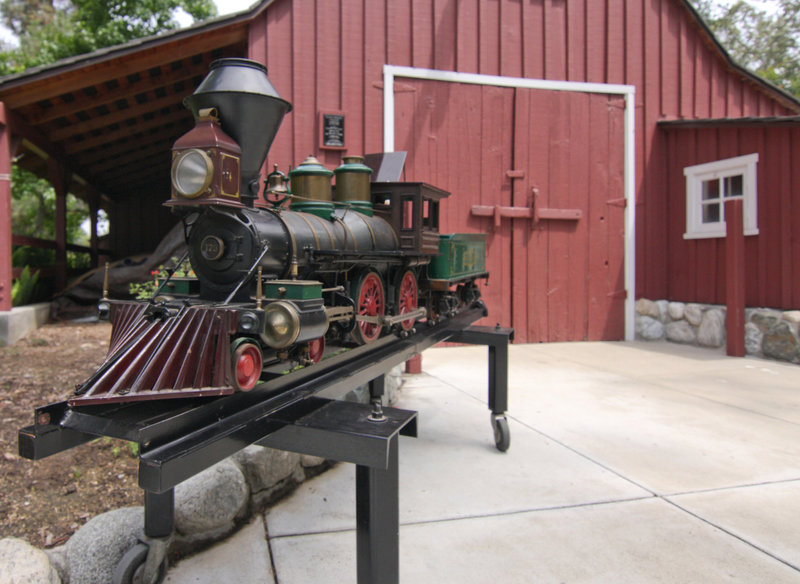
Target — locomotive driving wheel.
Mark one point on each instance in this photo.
(407, 297)
(370, 301)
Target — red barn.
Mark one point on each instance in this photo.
(595, 142)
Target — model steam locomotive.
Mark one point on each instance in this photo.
(280, 279)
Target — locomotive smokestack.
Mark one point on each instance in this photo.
(250, 111)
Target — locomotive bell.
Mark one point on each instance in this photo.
(352, 184)
(250, 109)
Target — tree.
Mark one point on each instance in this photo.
(765, 41)
(49, 30)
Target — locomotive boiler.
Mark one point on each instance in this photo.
(285, 276)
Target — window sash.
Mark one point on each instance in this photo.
(709, 185)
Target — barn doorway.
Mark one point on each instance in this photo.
(543, 174)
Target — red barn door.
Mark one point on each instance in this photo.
(557, 157)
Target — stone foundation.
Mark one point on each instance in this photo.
(768, 333)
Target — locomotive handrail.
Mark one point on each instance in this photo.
(249, 274)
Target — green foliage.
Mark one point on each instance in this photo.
(145, 290)
(49, 30)
(23, 289)
(766, 42)
(33, 208)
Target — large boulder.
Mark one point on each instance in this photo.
(21, 563)
(208, 503)
(711, 332)
(97, 547)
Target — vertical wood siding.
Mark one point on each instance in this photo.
(698, 265)
(328, 54)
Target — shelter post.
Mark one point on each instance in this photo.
(5, 211)
(60, 179)
(735, 278)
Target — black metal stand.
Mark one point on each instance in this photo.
(295, 412)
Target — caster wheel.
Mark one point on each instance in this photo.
(130, 569)
(502, 436)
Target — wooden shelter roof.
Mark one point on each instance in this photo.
(110, 117)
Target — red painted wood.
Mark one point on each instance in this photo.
(573, 217)
(616, 221)
(444, 38)
(422, 33)
(794, 237)
(280, 64)
(374, 59)
(596, 39)
(510, 39)
(576, 49)
(533, 44)
(354, 84)
(522, 230)
(489, 45)
(735, 281)
(319, 52)
(5, 212)
(615, 59)
(555, 27)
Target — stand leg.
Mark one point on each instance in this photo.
(377, 521)
(159, 513)
(498, 378)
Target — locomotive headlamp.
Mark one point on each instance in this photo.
(282, 324)
(248, 322)
(192, 173)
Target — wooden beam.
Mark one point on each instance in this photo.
(189, 72)
(129, 148)
(103, 66)
(6, 275)
(178, 116)
(128, 115)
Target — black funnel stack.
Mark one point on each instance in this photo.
(249, 108)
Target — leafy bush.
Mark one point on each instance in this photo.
(24, 288)
(145, 290)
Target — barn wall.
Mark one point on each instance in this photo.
(328, 56)
(697, 266)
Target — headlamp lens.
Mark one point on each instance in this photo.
(192, 172)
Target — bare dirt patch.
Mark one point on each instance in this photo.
(46, 501)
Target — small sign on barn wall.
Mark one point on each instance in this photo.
(331, 127)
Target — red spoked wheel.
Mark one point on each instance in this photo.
(247, 363)
(370, 301)
(407, 298)
(315, 349)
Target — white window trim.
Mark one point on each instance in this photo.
(695, 175)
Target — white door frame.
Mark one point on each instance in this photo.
(628, 91)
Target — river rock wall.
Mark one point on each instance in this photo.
(768, 332)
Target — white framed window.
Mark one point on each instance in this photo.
(709, 185)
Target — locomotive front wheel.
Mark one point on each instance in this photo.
(370, 301)
(246, 362)
(407, 298)
(315, 349)
(502, 436)
(130, 569)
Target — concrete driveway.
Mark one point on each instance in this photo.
(629, 462)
